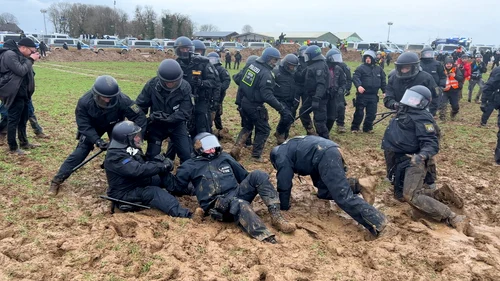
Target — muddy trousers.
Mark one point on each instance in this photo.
(180, 142)
(37, 129)
(283, 127)
(320, 115)
(256, 116)
(472, 84)
(235, 206)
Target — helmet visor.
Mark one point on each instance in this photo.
(214, 60)
(337, 58)
(414, 99)
(427, 54)
(105, 102)
(209, 142)
(170, 85)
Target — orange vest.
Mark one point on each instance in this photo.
(451, 82)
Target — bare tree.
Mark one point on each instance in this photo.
(59, 14)
(8, 18)
(208, 28)
(247, 28)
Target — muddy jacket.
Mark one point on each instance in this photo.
(257, 85)
(412, 131)
(396, 87)
(370, 77)
(317, 79)
(177, 104)
(435, 69)
(16, 74)
(90, 118)
(286, 90)
(126, 169)
(210, 177)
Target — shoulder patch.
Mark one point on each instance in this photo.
(429, 128)
(319, 72)
(135, 108)
(125, 161)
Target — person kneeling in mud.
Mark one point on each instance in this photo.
(410, 142)
(133, 179)
(225, 190)
(321, 159)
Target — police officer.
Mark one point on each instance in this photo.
(168, 99)
(202, 76)
(257, 86)
(436, 70)
(315, 86)
(225, 190)
(97, 111)
(340, 86)
(413, 131)
(225, 80)
(408, 74)
(368, 79)
(491, 101)
(300, 78)
(478, 67)
(321, 159)
(131, 178)
(237, 60)
(286, 93)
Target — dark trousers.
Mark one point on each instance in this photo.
(472, 84)
(42, 52)
(228, 65)
(341, 104)
(236, 64)
(490, 107)
(497, 149)
(31, 118)
(245, 122)
(202, 120)
(218, 113)
(17, 119)
(495, 63)
(452, 97)
(368, 102)
(319, 117)
(286, 122)
(78, 155)
(257, 117)
(179, 139)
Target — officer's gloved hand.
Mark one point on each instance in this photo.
(315, 103)
(395, 105)
(196, 83)
(168, 164)
(418, 159)
(483, 106)
(158, 116)
(286, 114)
(103, 145)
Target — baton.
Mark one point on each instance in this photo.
(307, 111)
(124, 202)
(86, 161)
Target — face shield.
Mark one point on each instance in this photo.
(273, 62)
(337, 58)
(170, 85)
(136, 139)
(414, 99)
(208, 147)
(407, 70)
(289, 67)
(105, 102)
(184, 52)
(214, 60)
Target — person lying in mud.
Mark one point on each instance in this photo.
(322, 160)
(133, 179)
(225, 190)
(410, 142)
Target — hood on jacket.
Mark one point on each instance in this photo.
(11, 45)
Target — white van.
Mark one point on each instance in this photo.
(57, 44)
(16, 37)
(258, 45)
(145, 46)
(322, 44)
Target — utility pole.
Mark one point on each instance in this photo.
(389, 32)
(44, 11)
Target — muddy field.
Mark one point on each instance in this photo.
(74, 237)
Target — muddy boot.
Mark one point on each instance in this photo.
(198, 215)
(459, 222)
(310, 131)
(279, 138)
(270, 239)
(368, 185)
(279, 221)
(235, 151)
(259, 159)
(55, 184)
(453, 116)
(224, 134)
(341, 129)
(445, 194)
(42, 136)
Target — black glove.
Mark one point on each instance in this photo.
(166, 165)
(418, 159)
(483, 106)
(395, 105)
(315, 103)
(196, 83)
(103, 145)
(286, 114)
(158, 116)
(347, 93)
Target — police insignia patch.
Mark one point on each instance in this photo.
(429, 128)
(319, 72)
(135, 108)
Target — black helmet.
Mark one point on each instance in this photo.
(251, 59)
(407, 59)
(205, 141)
(313, 53)
(170, 75)
(334, 55)
(268, 55)
(105, 91)
(371, 54)
(199, 47)
(125, 134)
(301, 51)
(427, 53)
(181, 43)
(417, 97)
(214, 58)
(449, 59)
(290, 63)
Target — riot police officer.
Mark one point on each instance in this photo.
(321, 159)
(225, 190)
(225, 80)
(300, 79)
(286, 92)
(97, 111)
(257, 86)
(413, 131)
(368, 79)
(133, 179)
(315, 86)
(168, 99)
(436, 70)
(340, 83)
(202, 76)
(491, 101)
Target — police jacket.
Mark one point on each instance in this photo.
(338, 80)
(300, 74)
(90, 118)
(478, 70)
(225, 80)
(397, 86)
(371, 77)
(492, 87)
(412, 131)
(348, 76)
(177, 104)
(285, 89)
(16, 74)
(435, 69)
(210, 177)
(496, 56)
(209, 77)
(237, 79)
(257, 85)
(237, 57)
(317, 79)
(127, 169)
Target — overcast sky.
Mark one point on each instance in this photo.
(414, 21)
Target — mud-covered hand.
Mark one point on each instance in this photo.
(315, 103)
(395, 105)
(103, 145)
(418, 159)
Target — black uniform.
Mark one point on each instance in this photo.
(205, 94)
(476, 78)
(93, 122)
(223, 185)
(239, 96)
(316, 85)
(341, 102)
(131, 178)
(372, 78)
(436, 70)
(413, 131)
(491, 101)
(321, 159)
(336, 92)
(237, 60)
(177, 107)
(225, 80)
(487, 58)
(300, 79)
(286, 92)
(496, 60)
(227, 59)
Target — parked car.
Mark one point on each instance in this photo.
(415, 47)
(232, 46)
(57, 44)
(481, 48)
(16, 37)
(448, 49)
(377, 46)
(168, 46)
(322, 44)
(145, 46)
(105, 45)
(258, 45)
(210, 44)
